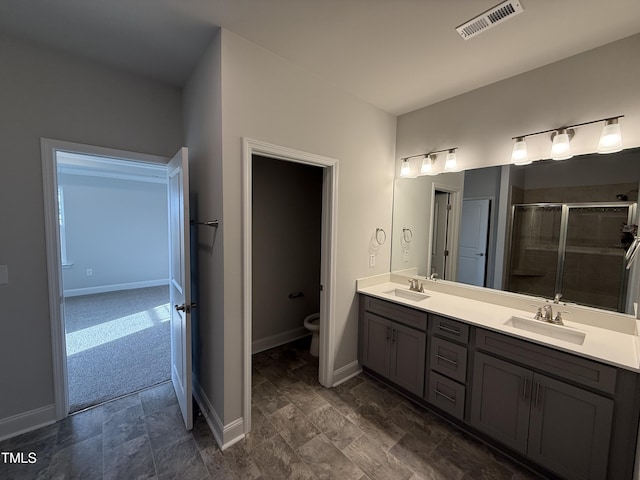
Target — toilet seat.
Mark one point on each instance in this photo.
(312, 322)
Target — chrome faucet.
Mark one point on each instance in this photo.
(433, 276)
(416, 286)
(545, 314)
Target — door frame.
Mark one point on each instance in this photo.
(455, 200)
(48, 150)
(328, 257)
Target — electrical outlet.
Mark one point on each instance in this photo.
(405, 255)
(372, 261)
(89, 272)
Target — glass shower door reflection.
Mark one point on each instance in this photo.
(593, 271)
(535, 244)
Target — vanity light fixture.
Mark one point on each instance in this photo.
(405, 169)
(610, 141)
(519, 155)
(560, 144)
(451, 162)
(611, 137)
(428, 162)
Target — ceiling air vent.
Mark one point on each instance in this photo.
(501, 12)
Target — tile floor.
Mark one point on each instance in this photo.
(359, 430)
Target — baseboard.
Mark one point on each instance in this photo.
(76, 292)
(343, 374)
(225, 435)
(27, 421)
(278, 339)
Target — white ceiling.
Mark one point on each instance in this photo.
(399, 55)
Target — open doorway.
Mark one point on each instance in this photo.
(286, 230)
(108, 262)
(443, 241)
(114, 250)
(329, 171)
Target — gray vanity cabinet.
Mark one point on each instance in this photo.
(566, 415)
(501, 400)
(393, 343)
(570, 429)
(562, 427)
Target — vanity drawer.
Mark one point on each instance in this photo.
(446, 327)
(449, 359)
(446, 394)
(564, 365)
(399, 313)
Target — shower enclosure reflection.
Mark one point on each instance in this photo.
(576, 249)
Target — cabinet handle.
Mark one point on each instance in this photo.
(446, 397)
(388, 332)
(394, 334)
(440, 357)
(524, 388)
(537, 394)
(455, 331)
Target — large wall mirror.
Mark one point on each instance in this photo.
(541, 229)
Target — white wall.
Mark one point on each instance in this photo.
(44, 93)
(593, 85)
(118, 229)
(266, 98)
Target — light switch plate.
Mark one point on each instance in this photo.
(4, 274)
(372, 260)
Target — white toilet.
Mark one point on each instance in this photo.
(312, 323)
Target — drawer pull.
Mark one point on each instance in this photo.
(440, 357)
(455, 331)
(446, 397)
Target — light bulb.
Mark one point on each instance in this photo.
(611, 137)
(519, 154)
(560, 148)
(451, 162)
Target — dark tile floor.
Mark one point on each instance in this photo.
(359, 430)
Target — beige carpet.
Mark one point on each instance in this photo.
(117, 343)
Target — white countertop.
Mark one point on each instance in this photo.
(601, 344)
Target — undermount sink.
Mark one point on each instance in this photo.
(559, 332)
(407, 294)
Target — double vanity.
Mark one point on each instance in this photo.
(562, 399)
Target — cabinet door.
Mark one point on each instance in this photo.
(376, 343)
(570, 429)
(501, 400)
(408, 348)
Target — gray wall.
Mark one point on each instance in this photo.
(267, 98)
(44, 93)
(118, 228)
(287, 223)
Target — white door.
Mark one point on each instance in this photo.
(179, 282)
(474, 232)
